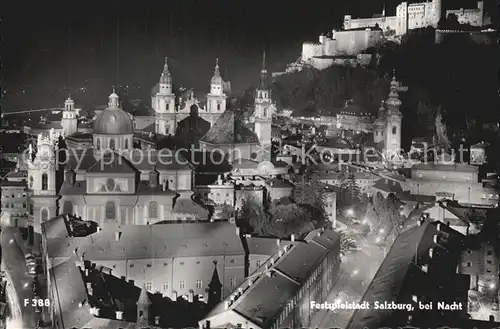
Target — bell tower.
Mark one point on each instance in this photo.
(143, 306)
(69, 121)
(216, 98)
(42, 183)
(263, 112)
(393, 121)
(163, 103)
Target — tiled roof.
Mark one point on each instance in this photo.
(264, 246)
(388, 185)
(79, 188)
(112, 163)
(228, 129)
(245, 164)
(390, 278)
(261, 301)
(67, 284)
(153, 241)
(336, 142)
(56, 228)
(279, 183)
(186, 205)
(459, 167)
(7, 183)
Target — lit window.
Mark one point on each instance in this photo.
(165, 285)
(182, 284)
(257, 263)
(149, 286)
(153, 209)
(45, 182)
(110, 210)
(232, 282)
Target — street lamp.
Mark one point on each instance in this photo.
(381, 231)
(350, 212)
(492, 285)
(365, 221)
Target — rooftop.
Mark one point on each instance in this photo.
(458, 167)
(228, 129)
(152, 241)
(262, 301)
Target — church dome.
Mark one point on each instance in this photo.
(216, 79)
(113, 120)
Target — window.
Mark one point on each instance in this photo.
(31, 181)
(45, 182)
(31, 209)
(149, 286)
(394, 130)
(45, 215)
(110, 184)
(126, 143)
(489, 261)
(165, 285)
(182, 284)
(98, 145)
(265, 112)
(218, 106)
(68, 207)
(469, 264)
(232, 282)
(257, 263)
(199, 283)
(489, 253)
(182, 263)
(110, 210)
(153, 209)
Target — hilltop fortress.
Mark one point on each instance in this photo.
(359, 34)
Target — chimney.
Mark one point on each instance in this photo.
(119, 315)
(157, 320)
(292, 237)
(439, 226)
(237, 231)
(89, 285)
(117, 236)
(207, 324)
(280, 253)
(435, 238)
(269, 274)
(250, 282)
(319, 233)
(174, 296)
(278, 241)
(70, 177)
(131, 282)
(96, 311)
(191, 296)
(226, 305)
(123, 278)
(240, 291)
(272, 261)
(86, 272)
(431, 252)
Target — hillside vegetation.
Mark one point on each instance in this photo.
(457, 75)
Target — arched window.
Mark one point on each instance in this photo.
(265, 113)
(45, 182)
(45, 215)
(30, 205)
(31, 181)
(98, 144)
(68, 207)
(153, 209)
(112, 144)
(394, 129)
(110, 210)
(126, 143)
(218, 106)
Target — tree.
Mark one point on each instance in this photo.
(350, 188)
(252, 217)
(288, 219)
(347, 243)
(310, 194)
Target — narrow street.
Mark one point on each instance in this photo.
(19, 283)
(356, 271)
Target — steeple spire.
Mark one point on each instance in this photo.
(166, 77)
(393, 102)
(217, 69)
(217, 79)
(264, 83)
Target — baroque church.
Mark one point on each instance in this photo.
(110, 182)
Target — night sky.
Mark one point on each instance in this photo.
(41, 56)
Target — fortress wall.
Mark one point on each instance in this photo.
(473, 17)
(310, 50)
(354, 42)
(330, 47)
(365, 22)
(321, 63)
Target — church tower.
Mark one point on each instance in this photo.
(42, 183)
(263, 112)
(393, 120)
(214, 288)
(69, 121)
(216, 98)
(143, 305)
(163, 103)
